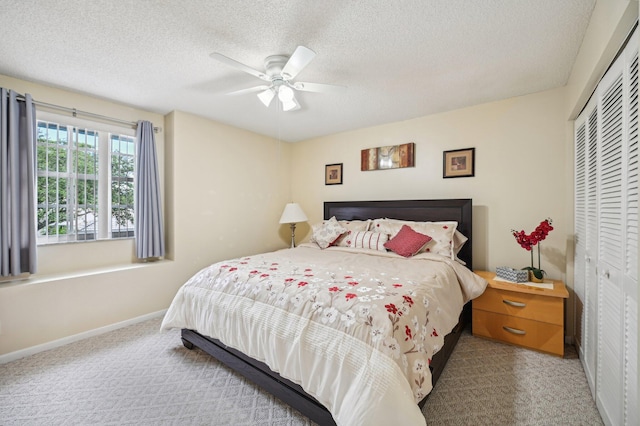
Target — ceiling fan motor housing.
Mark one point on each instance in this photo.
(274, 65)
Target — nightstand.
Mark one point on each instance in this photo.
(522, 315)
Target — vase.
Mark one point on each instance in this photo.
(534, 279)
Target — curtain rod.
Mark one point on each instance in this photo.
(75, 112)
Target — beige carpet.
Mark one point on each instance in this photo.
(139, 376)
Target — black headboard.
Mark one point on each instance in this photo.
(459, 210)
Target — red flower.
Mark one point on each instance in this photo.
(528, 241)
(233, 269)
(391, 308)
(407, 331)
(254, 272)
(434, 333)
(408, 300)
(288, 280)
(334, 289)
(353, 282)
(539, 234)
(264, 275)
(350, 296)
(397, 285)
(302, 283)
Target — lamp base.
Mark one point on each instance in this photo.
(293, 235)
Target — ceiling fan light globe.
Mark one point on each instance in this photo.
(289, 105)
(266, 97)
(285, 93)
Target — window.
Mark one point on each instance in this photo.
(85, 181)
(122, 166)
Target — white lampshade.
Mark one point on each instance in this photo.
(285, 93)
(266, 97)
(290, 105)
(293, 214)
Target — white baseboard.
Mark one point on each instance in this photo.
(12, 356)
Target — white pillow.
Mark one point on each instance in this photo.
(458, 241)
(369, 240)
(325, 233)
(442, 233)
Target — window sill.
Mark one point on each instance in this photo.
(48, 278)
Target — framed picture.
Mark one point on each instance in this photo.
(333, 174)
(458, 163)
(388, 157)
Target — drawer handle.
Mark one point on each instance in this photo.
(514, 330)
(516, 304)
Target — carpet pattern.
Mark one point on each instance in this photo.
(137, 375)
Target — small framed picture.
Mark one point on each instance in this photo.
(458, 163)
(333, 174)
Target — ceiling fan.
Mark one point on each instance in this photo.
(279, 73)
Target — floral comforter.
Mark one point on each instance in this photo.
(355, 328)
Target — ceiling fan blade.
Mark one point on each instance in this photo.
(249, 90)
(318, 87)
(242, 67)
(300, 59)
(267, 96)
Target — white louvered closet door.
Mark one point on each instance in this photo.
(585, 283)
(580, 197)
(591, 254)
(610, 250)
(630, 275)
(606, 255)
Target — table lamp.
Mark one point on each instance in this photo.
(293, 214)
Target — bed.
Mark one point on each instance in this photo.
(308, 356)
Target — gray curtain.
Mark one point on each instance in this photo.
(17, 184)
(148, 206)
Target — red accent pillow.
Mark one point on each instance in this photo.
(407, 242)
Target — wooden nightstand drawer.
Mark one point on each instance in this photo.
(537, 335)
(521, 314)
(522, 305)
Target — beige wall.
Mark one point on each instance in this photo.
(224, 192)
(519, 177)
(229, 188)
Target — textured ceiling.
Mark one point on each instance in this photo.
(399, 59)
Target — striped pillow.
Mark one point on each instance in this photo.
(369, 240)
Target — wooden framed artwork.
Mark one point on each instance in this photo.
(388, 157)
(459, 163)
(333, 174)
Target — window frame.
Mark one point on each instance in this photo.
(105, 130)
